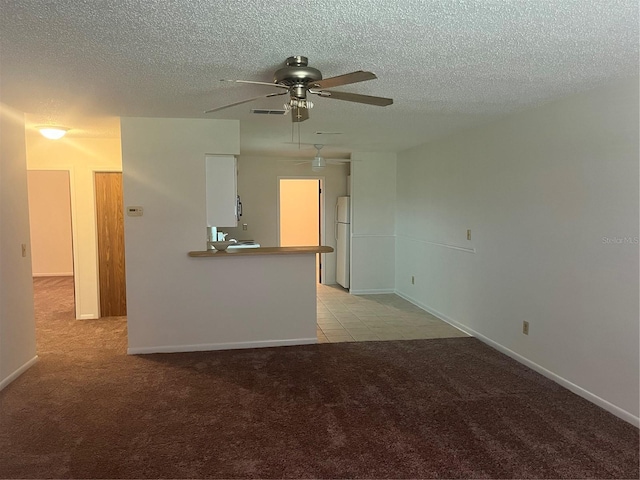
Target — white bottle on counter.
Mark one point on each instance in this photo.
(212, 234)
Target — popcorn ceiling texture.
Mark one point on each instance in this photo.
(445, 63)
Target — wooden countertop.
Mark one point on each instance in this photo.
(262, 251)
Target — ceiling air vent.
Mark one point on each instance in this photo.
(267, 111)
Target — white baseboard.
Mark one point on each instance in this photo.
(220, 346)
(18, 372)
(88, 316)
(69, 274)
(587, 395)
(372, 291)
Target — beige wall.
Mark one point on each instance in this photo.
(373, 199)
(164, 172)
(81, 157)
(176, 302)
(50, 223)
(17, 327)
(541, 191)
(258, 188)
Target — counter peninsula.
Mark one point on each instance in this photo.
(255, 297)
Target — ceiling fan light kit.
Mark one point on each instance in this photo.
(298, 79)
(318, 163)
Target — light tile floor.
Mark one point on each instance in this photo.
(347, 318)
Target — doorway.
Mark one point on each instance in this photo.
(110, 231)
(300, 215)
(51, 232)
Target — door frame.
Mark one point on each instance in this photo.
(74, 229)
(321, 178)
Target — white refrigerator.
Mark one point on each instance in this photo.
(343, 240)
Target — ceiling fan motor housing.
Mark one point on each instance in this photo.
(297, 73)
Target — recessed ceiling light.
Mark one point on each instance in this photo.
(53, 133)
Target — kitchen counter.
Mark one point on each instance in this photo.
(263, 297)
(262, 251)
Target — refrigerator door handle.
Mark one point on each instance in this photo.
(335, 227)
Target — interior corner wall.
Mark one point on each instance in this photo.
(258, 189)
(17, 326)
(551, 198)
(373, 198)
(81, 157)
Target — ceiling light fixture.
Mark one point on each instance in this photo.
(298, 103)
(318, 163)
(53, 133)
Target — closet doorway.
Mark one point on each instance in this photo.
(51, 241)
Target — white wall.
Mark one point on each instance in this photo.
(540, 190)
(50, 223)
(373, 197)
(81, 157)
(17, 327)
(179, 303)
(258, 188)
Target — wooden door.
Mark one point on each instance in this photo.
(110, 225)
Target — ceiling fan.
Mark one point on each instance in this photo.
(297, 80)
(318, 162)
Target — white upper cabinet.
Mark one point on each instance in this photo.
(222, 190)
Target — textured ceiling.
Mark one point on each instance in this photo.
(447, 64)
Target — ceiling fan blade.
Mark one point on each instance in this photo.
(354, 97)
(245, 101)
(299, 114)
(251, 82)
(346, 79)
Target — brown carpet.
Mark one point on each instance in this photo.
(446, 408)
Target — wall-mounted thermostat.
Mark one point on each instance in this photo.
(135, 211)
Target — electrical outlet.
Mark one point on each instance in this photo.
(525, 327)
(24, 249)
(244, 226)
(468, 234)
(413, 280)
